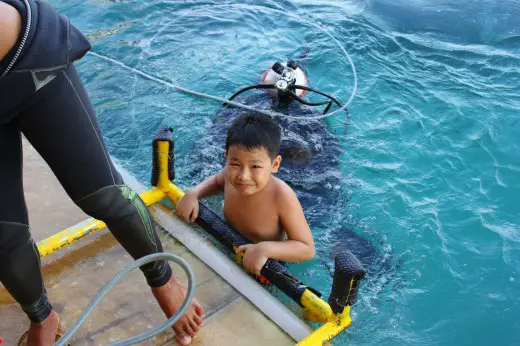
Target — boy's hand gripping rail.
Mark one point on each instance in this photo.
(348, 270)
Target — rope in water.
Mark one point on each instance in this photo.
(163, 81)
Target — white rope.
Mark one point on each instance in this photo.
(163, 81)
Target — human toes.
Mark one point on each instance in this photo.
(182, 338)
(184, 326)
(199, 310)
(188, 330)
(195, 327)
(198, 320)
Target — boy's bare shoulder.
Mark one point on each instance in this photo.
(284, 193)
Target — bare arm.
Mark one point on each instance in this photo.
(300, 245)
(10, 26)
(209, 186)
(188, 206)
(288, 251)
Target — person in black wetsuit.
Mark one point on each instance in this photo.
(42, 97)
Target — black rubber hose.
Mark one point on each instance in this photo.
(299, 99)
(302, 87)
(256, 86)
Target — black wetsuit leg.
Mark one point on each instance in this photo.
(42, 97)
(61, 125)
(19, 258)
(59, 122)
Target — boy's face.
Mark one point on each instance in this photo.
(249, 171)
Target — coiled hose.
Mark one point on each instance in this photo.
(102, 292)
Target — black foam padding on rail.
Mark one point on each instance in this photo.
(220, 229)
(164, 134)
(278, 274)
(347, 268)
(274, 271)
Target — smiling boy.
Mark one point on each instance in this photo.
(260, 206)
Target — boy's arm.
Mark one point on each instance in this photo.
(299, 247)
(210, 186)
(188, 207)
(300, 244)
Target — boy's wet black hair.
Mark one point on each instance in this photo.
(254, 131)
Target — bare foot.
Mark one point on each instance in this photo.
(170, 298)
(44, 333)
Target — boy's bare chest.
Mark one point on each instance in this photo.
(255, 219)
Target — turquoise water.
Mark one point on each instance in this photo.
(430, 161)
